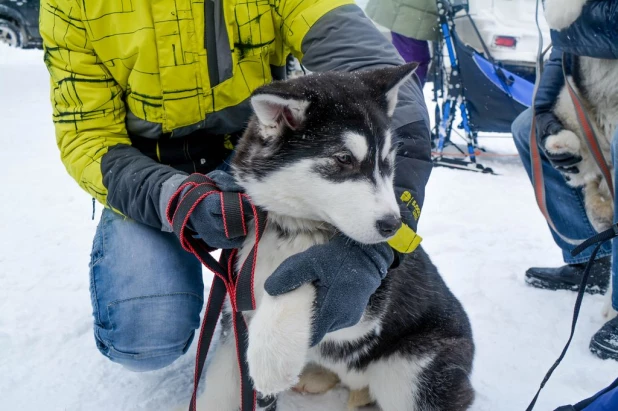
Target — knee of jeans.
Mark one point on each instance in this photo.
(521, 127)
(151, 332)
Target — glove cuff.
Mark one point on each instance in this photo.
(168, 189)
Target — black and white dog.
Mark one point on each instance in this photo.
(318, 156)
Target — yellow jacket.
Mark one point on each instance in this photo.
(149, 57)
(155, 68)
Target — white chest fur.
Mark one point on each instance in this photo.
(274, 247)
(280, 327)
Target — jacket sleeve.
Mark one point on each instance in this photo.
(593, 34)
(552, 81)
(346, 40)
(89, 119)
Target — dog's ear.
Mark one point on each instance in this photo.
(385, 83)
(275, 111)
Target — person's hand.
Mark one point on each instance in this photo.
(345, 274)
(207, 217)
(561, 146)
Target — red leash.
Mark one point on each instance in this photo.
(226, 281)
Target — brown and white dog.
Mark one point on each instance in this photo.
(596, 82)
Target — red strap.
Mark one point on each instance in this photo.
(538, 182)
(240, 288)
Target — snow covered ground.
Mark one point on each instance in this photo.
(482, 231)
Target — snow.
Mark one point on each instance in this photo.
(482, 232)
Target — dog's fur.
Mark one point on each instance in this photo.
(596, 82)
(413, 348)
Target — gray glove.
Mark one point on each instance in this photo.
(207, 217)
(345, 274)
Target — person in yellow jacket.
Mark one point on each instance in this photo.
(145, 93)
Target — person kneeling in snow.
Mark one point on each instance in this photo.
(147, 93)
(595, 34)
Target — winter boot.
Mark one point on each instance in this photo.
(604, 343)
(568, 277)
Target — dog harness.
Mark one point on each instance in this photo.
(238, 285)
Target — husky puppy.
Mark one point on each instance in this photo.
(596, 82)
(413, 348)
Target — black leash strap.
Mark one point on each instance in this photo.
(599, 240)
(244, 282)
(239, 287)
(216, 299)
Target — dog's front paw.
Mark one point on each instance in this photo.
(560, 14)
(563, 142)
(279, 337)
(275, 360)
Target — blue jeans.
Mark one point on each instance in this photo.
(565, 204)
(147, 293)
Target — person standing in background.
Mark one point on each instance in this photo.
(412, 24)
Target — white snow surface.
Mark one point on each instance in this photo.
(481, 231)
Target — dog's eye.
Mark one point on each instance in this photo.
(344, 158)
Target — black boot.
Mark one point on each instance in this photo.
(568, 277)
(605, 342)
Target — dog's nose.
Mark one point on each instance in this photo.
(388, 225)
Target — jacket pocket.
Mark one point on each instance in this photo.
(255, 32)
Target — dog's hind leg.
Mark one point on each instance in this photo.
(359, 398)
(437, 381)
(222, 382)
(395, 382)
(316, 380)
(445, 383)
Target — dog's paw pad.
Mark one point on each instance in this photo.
(563, 142)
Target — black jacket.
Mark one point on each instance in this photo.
(593, 34)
